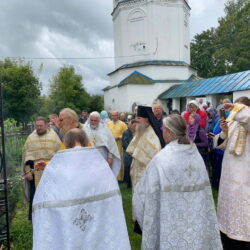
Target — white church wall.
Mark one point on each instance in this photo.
(212, 99)
(116, 99)
(146, 94)
(120, 100)
(189, 99)
(176, 103)
(155, 30)
(238, 94)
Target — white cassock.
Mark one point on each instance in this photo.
(104, 141)
(173, 202)
(77, 204)
(234, 191)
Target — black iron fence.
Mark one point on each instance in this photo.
(10, 180)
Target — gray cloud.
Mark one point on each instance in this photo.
(205, 14)
(75, 28)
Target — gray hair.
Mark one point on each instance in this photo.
(70, 113)
(227, 100)
(177, 127)
(75, 135)
(95, 114)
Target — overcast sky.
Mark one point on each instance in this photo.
(73, 29)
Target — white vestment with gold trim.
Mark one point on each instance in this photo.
(173, 202)
(77, 204)
(142, 148)
(234, 191)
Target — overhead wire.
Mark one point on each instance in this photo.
(71, 58)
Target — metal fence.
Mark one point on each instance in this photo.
(10, 176)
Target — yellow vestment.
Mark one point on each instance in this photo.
(117, 129)
(39, 148)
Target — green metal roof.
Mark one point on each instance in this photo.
(136, 78)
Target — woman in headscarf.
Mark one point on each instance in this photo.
(104, 116)
(198, 135)
(193, 107)
(212, 119)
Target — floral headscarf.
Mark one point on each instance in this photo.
(192, 129)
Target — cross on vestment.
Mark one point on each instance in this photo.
(189, 169)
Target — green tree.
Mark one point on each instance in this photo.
(202, 52)
(96, 103)
(21, 90)
(225, 49)
(67, 90)
(233, 36)
(45, 104)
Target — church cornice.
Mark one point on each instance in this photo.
(151, 63)
(149, 82)
(130, 4)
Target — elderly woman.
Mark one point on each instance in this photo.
(192, 107)
(198, 135)
(212, 119)
(173, 202)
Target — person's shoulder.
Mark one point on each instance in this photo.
(104, 128)
(53, 135)
(123, 123)
(32, 135)
(80, 125)
(127, 132)
(109, 123)
(150, 131)
(186, 114)
(201, 112)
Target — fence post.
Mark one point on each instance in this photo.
(4, 206)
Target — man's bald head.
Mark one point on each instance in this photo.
(114, 116)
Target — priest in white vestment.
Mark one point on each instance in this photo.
(173, 201)
(77, 204)
(234, 190)
(102, 139)
(146, 143)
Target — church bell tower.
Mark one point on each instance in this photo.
(152, 51)
(148, 30)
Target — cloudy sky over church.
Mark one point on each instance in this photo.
(44, 29)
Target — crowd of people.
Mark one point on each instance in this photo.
(72, 166)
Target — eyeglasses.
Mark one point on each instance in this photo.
(62, 119)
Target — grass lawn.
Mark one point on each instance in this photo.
(21, 228)
(135, 239)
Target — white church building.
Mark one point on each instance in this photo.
(152, 54)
